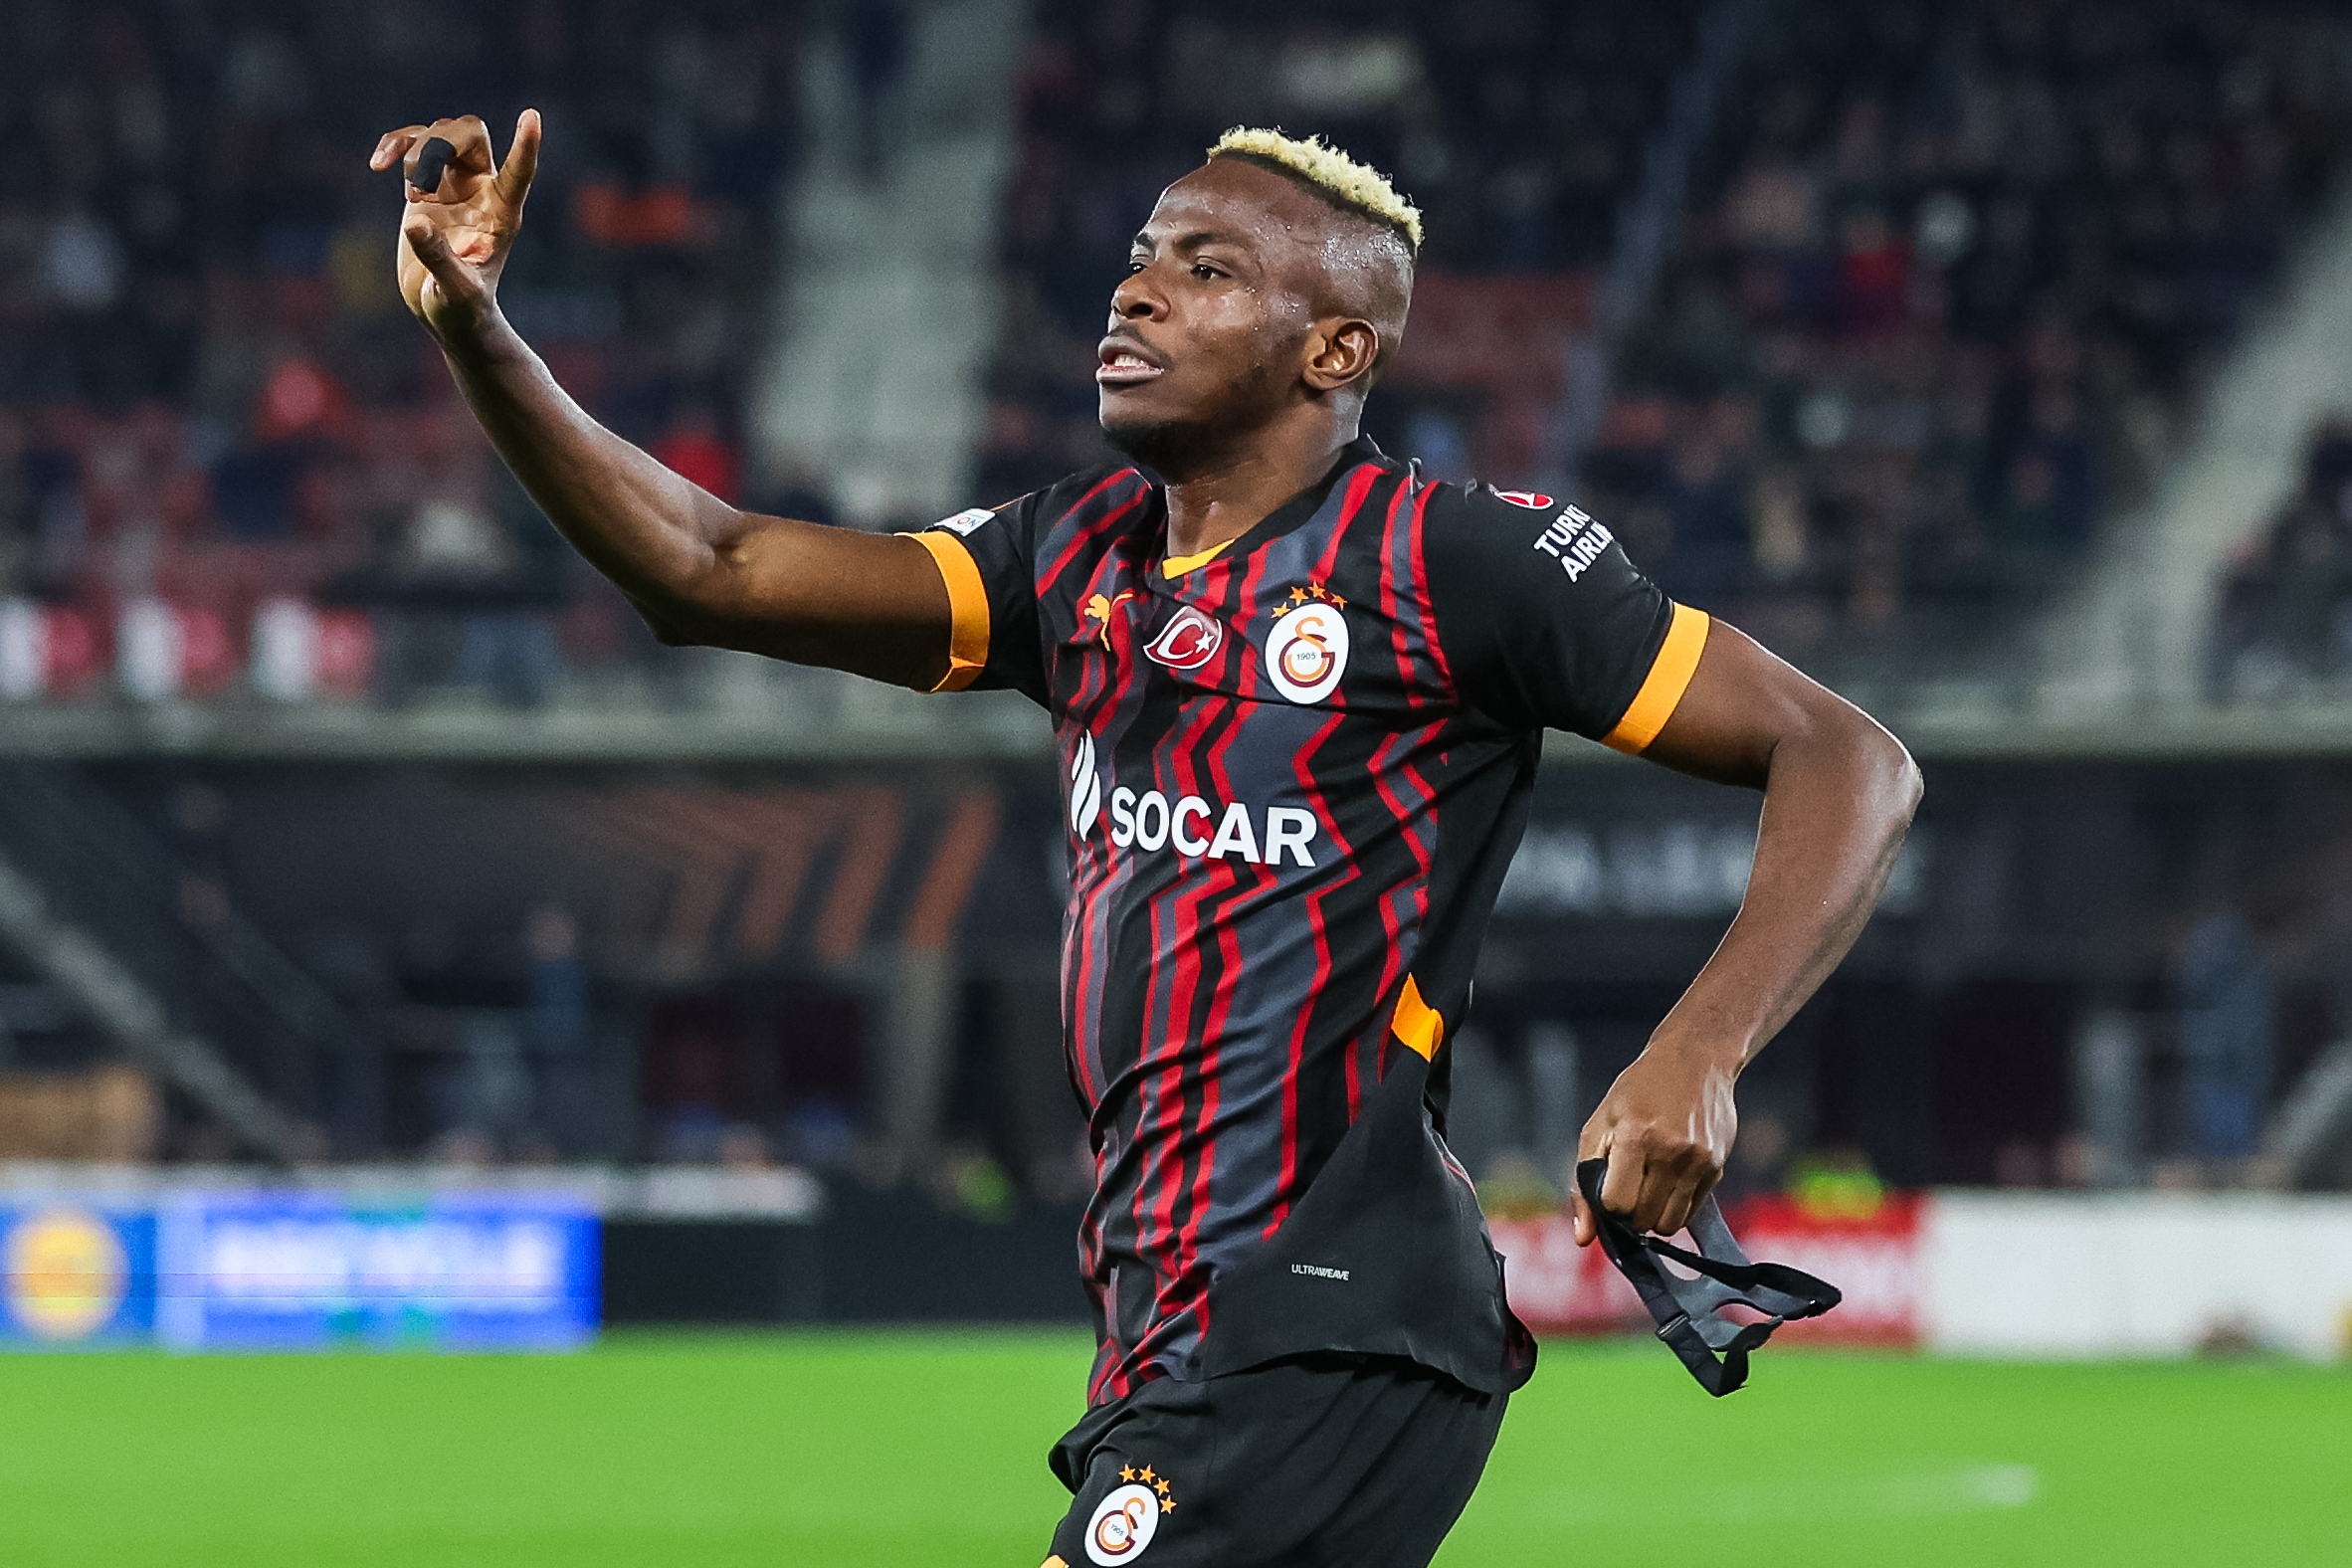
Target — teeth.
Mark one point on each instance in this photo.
(1127, 362)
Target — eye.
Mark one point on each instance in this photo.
(1134, 264)
(1204, 270)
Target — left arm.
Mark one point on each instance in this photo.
(1838, 794)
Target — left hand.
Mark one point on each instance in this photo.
(1666, 1128)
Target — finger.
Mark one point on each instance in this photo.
(456, 280)
(1674, 1213)
(1592, 1143)
(469, 149)
(428, 169)
(513, 180)
(1690, 1193)
(1672, 1190)
(1621, 1188)
(393, 145)
(1665, 1195)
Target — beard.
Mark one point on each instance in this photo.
(1171, 448)
(1210, 434)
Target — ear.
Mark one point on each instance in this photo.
(1341, 350)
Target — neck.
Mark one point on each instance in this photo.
(1217, 500)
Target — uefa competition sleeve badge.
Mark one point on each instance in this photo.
(1306, 651)
(1125, 1521)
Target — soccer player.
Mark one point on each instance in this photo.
(1298, 692)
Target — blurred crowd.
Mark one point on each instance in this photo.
(1951, 276)
(1519, 128)
(225, 449)
(1946, 282)
(1947, 279)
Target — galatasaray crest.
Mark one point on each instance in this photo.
(1127, 1520)
(1306, 651)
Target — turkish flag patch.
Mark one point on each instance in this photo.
(1189, 640)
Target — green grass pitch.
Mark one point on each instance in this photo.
(925, 1451)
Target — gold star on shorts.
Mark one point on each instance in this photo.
(1167, 1504)
(1145, 1475)
(1127, 1473)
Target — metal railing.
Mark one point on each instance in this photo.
(185, 983)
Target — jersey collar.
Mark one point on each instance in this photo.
(1289, 515)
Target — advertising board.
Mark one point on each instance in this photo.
(76, 1272)
(311, 1271)
(1558, 1287)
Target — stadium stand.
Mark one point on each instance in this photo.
(1950, 280)
(1954, 278)
(225, 448)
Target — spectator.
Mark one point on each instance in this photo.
(2228, 1023)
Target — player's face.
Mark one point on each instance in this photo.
(1210, 328)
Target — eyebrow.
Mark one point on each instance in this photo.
(1190, 240)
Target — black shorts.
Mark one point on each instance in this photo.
(1322, 1460)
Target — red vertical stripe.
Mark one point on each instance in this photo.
(1421, 598)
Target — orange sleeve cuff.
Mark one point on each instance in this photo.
(967, 609)
(1662, 691)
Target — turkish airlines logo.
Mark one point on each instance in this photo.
(1187, 641)
(1530, 499)
(1306, 651)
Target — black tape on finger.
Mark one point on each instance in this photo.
(432, 158)
(1689, 1312)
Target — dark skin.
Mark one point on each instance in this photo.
(1251, 322)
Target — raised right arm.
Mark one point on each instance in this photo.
(697, 570)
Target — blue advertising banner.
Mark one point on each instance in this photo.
(271, 1270)
(75, 1272)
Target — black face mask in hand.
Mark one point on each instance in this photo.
(1689, 1311)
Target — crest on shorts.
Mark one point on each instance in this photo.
(1125, 1521)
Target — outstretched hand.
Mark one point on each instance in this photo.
(455, 238)
(1665, 1128)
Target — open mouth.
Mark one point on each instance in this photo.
(1122, 366)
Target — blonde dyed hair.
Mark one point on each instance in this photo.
(1358, 187)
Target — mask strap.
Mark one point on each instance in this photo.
(1689, 1311)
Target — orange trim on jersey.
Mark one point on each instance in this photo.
(1670, 677)
(967, 609)
(1178, 565)
(1416, 1023)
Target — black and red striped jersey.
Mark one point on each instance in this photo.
(1296, 771)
